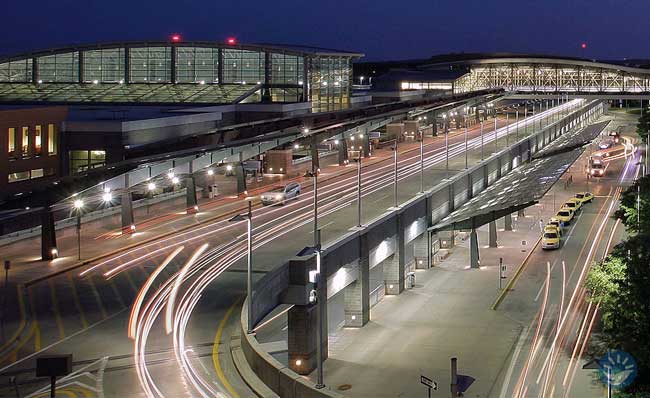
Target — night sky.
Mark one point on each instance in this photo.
(381, 29)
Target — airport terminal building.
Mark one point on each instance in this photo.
(177, 72)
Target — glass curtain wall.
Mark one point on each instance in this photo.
(330, 83)
(286, 69)
(150, 65)
(104, 66)
(197, 65)
(59, 68)
(16, 71)
(243, 66)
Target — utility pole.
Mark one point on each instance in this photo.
(359, 188)
(421, 162)
(482, 140)
(395, 174)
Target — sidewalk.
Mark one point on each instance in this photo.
(447, 314)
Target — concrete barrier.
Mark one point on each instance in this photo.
(271, 373)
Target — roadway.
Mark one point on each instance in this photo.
(87, 311)
(549, 298)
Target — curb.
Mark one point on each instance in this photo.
(514, 278)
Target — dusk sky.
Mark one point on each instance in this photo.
(381, 29)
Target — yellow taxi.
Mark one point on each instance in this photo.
(573, 204)
(556, 223)
(565, 216)
(584, 197)
(550, 240)
(553, 228)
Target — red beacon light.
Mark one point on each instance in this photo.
(583, 45)
(175, 38)
(231, 41)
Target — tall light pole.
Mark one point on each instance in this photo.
(466, 164)
(249, 258)
(517, 125)
(314, 176)
(507, 128)
(359, 188)
(78, 205)
(395, 173)
(482, 140)
(444, 121)
(421, 161)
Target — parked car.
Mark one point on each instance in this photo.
(279, 195)
(573, 204)
(550, 240)
(565, 216)
(585, 197)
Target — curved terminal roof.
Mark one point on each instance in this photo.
(160, 72)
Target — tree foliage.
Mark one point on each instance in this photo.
(628, 206)
(621, 285)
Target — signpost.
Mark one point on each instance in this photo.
(431, 385)
(502, 271)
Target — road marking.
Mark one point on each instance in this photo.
(323, 226)
(97, 298)
(572, 228)
(77, 303)
(544, 284)
(520, 343)
(23, 319)
(55, 306)
(215, 351)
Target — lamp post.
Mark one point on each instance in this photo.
(314, 176)
(496, 137)
(249, 258)
(517, 125)
(421, 161)
(395, 174)
(78, 205)
(482, 140)
(507, 127)
(444, 118)
(466, 160)
(359, 188)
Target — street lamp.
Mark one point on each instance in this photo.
(78, 205)
(444, 120)
(517, 125)
(482, 140)
(359, 188)
(466, 160)
(249, 270)
(421, 161)
(395, 173)
(151, 187)
(317, 279)
(314, 176)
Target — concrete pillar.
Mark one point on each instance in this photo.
(302, 318)
(126, 209)
(507, 221)
(366, 143)
(190, 195)
(420, 251)
(492, 233)
(394, 266)
(241, 178)
(343, 152)
(474, 258)
(49, 250)
(357, 294)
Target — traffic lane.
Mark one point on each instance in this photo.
(548, 303)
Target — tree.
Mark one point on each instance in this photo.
(627, 212)
(620, 284)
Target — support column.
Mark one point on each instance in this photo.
(302, 317)
(241, 178)
(190, 195)
(49, 250)
(126, 208)
(343, 152)
(507, 220)
(366, 143)
(357, 294)
(394, 266)
(492, 235)
(420, 251)
(474, 258)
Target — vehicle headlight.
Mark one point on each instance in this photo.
(278, 197)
